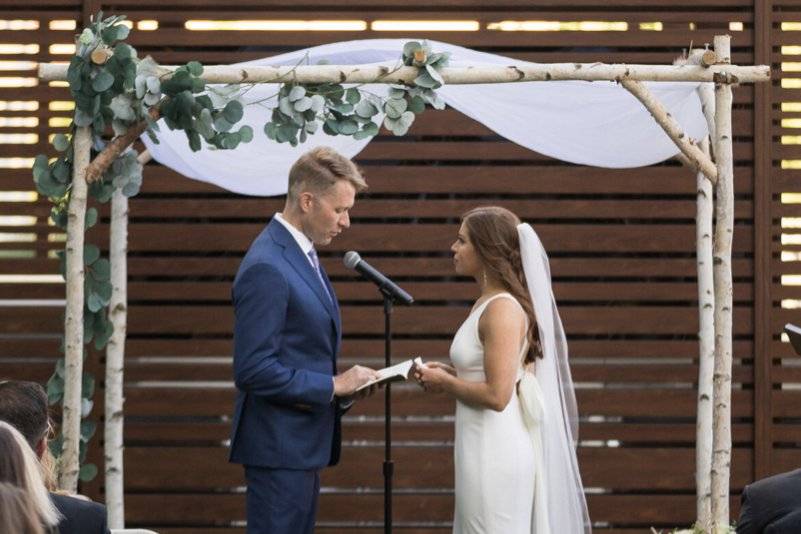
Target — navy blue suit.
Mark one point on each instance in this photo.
(287, 334)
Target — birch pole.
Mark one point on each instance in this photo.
(73, 314)
(530, 72)
(724, 229)
(115, 356)
(706, 346)
(673, 129)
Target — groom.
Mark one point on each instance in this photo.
(287, 334)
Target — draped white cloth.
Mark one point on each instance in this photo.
(587, 123)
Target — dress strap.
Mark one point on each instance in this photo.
(524, 348)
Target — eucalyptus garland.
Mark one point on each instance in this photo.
(116, 94)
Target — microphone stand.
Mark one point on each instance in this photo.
(389, 466)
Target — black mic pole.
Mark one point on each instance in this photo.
(390, 291)
(389, 467)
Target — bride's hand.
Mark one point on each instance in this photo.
(432, 378)
(444, 366)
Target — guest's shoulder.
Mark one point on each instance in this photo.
(72, 501)
(80, 515)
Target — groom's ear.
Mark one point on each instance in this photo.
(305, 201)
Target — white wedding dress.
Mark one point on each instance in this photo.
(498, 460)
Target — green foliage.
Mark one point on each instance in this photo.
(116, 90)
(302, 108)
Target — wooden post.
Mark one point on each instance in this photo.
(724, 229)
(706, 349)
(115, 357)
(73, 314)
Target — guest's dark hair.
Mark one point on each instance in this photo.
(17, 511)
(492, 230)
(23, 405)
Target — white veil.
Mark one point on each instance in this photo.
(566, 505)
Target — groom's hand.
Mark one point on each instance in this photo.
(345, 384)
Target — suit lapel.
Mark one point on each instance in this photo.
(330, 288)
(300, 262)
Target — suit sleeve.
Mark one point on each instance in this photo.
(260, 307)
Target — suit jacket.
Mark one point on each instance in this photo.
(80, 516)
(772, 505)
(287, 334)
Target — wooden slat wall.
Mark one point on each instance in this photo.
(622, 256)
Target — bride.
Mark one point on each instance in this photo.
(516, 423)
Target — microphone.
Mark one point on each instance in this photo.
(353, 261)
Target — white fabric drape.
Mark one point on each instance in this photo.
(587, 123)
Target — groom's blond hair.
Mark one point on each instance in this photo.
(319, 169)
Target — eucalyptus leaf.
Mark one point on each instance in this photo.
(312, 126)
(153, 84)
(342, 108)
(60, 142)
(103, 81)
(87, 473)
(151, 99)
(331, 127)
(40, 166)
(348, 127)
(90, 253)
(297, 93)
(285, 106)
(121, 106)
(86, 409)
(318, 103)
(123, 51)
(425, 80)
(94, 303)
(88, 429)
(55, 388)
(82, 118)
(88, 382)
(91, 217)
(246, 134)
(131, 189)
(101, 270)
(194, 68)
(86, 37)
(394, 107)
(417, 105)
(222, 125)
(435, 75)
(410, 48)
(303, 104)
(371, 129)
(365, 109)
(352, 96)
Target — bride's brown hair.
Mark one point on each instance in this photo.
(493, 232)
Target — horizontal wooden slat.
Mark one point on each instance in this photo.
(420, 467)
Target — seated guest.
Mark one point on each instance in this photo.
(772, 505)
(19, 467)
(17, 512)
(24, 406)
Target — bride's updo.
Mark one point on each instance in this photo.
(493, 232)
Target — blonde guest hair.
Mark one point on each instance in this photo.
(20, 467)
(17, 512)
(319, 169)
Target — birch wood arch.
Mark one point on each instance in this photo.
(714, 179)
